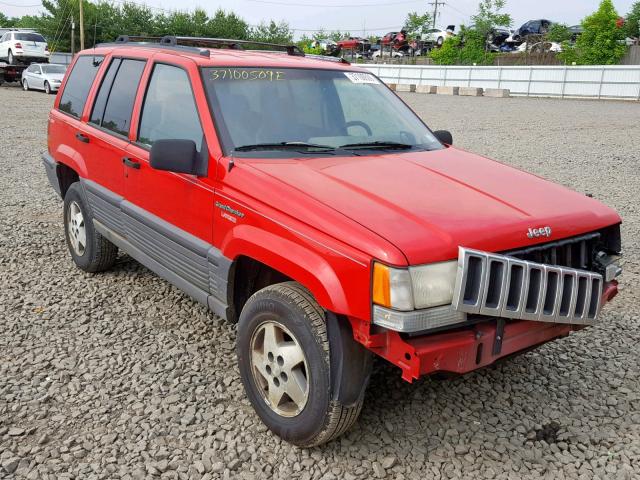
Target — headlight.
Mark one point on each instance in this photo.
(433, 284)
(414, 288)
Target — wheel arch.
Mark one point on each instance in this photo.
(301, 264)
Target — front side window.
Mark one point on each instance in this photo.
(169, 111)
(332, 109)
(54, 69)
(114, 102)
(79, 83)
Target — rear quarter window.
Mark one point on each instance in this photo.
(78, 84)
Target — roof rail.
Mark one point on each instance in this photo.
(199, 43)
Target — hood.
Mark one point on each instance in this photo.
(54, 76)
(428, 203)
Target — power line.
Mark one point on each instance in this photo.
(435, 4)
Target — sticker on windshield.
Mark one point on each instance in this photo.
(359, 77)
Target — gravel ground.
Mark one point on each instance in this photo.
(120, 375)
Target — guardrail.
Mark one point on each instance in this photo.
(610, 81)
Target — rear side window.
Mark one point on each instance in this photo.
(169, 111)
(114, 102)
(79, 83)
(29, 37)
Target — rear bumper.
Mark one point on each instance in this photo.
(464, 350)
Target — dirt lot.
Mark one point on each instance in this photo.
(120, 375)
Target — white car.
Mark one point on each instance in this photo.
(437, 36)
(394, 54)
(43, 76)
(24, 47)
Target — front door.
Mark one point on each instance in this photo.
(169, 216)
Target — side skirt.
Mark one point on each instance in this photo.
(218, 307)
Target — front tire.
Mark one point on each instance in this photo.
(283, 357)
(90, 251)
(25, 85)
(47, 88)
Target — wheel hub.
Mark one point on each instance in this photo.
(76, 229)
(279, 369)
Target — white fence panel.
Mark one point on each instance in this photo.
(615, 81)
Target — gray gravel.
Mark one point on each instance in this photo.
(120, 375)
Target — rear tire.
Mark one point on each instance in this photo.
(90, 251)
(273, 322)
(10, 58)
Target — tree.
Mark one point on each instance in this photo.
(272, 32)
(416, 24)
(559, 33)
(490, 16)
(632, 22)
(601, 42)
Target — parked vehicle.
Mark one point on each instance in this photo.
(355, 43)
(532, 27)
(43, 76)
(437, 36)
(305, 201)
(23, 47)
(388, 52)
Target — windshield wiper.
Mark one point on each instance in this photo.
(378, 145)
(285, 146)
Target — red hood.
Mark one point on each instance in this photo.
(429, 203)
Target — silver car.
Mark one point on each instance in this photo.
(43, 76)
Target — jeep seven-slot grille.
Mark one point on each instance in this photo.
(505, 286)
(576, 252)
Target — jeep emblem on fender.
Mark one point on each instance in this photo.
(539, 232)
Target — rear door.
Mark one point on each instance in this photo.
(107, 136)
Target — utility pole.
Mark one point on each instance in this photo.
(82, 26)
(436, 4)
(73, 37)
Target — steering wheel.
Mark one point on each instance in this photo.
(358, 123)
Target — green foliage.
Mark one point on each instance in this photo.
(470, 46)
(105, 21)
(559, 33)
(272, 32)
(490, 16)
(448, 53)
(312, 50)
(467, 48)
(632, 22)
(601, 43)
(416, 24)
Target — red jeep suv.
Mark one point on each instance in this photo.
(301, 198)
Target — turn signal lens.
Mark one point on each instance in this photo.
(381, 290)
(392, 287)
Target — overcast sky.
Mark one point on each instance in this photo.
(373, 16)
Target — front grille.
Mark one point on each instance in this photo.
(505, 286)
(576, 252)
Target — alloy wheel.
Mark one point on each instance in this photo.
(279, 368)
(76, 229)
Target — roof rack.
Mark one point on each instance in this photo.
(200, 45)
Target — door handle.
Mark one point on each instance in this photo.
(82, 137)
(131, 163)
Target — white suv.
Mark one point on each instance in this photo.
(25, 47)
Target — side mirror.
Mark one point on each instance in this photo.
(444, 136)
(179, 156)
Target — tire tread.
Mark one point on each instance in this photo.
(339, 417)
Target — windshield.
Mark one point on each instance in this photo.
(53, 69)
(29, 37)
(263, 108)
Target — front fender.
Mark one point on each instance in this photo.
(324, 274)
